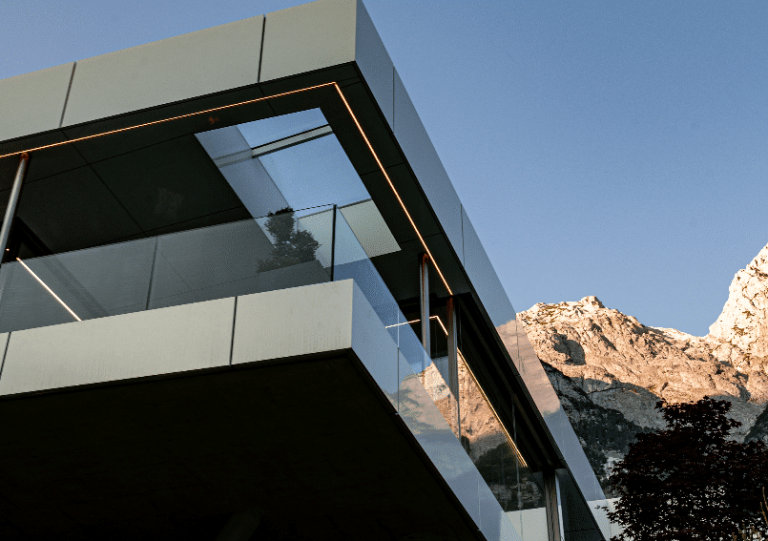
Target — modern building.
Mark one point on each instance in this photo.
(240, 299)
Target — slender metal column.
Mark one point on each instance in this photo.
(13, 199)
(453, 346)
(552, 498)
(424, 301)
(453, 357)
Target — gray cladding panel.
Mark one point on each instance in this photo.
(426, 164)
(167, 183)
(374, 63)
(188, 337)
(33, 102)
(291, 322)
(483, 277)
(308, 37)
(174, 69)
(52, 161)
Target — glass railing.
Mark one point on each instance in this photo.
(492, 448)
(471, 417)
(351, 261)
(235, 258)
(494, 451)
(277, 251)
(251, 256)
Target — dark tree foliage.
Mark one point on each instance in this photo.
(291, 246)
(689, 482)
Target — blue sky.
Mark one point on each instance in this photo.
(608, 148)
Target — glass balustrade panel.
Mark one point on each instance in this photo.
(351, 261)
(75, 286)
(226, 260)
(492, 448)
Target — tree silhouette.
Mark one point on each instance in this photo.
(689, 482)
(291, 246)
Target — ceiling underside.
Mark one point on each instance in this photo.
(308, 447)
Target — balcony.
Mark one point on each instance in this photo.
(263, 206)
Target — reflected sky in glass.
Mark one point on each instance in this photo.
(315, 173)
(261, 132)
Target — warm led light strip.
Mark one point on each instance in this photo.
(48, 289)
(163, 120)
(256, 100)
(391, 185)
(418, 321)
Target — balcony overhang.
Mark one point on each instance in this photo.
(177, 458)
(168, 423)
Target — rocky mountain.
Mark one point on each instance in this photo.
(609, 369)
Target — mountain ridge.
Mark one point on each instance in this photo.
(603, 363)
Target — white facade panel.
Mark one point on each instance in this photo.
(188, 337)
(292, 322)
(33, 102)
(174, 69)
(308, 37)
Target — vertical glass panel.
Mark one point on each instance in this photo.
(412, 349)
(26, 303)
(434, 372)
(236, 258)
(351, 261)
(425, 422)
(530, 523)
(84, 284)
(492, 448)
(441, 395)
(320, 226)
(316, 172)
(437, 374)
(239, 258)
(485, 439)
(530, 504)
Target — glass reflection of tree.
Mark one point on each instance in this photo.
(291, 246)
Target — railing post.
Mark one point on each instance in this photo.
(13, 199)
(453, 346)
